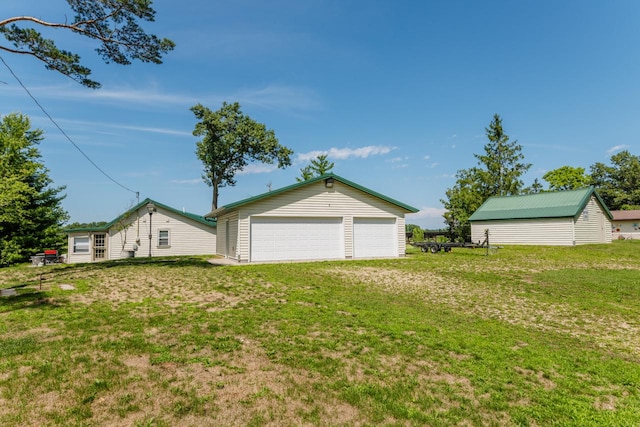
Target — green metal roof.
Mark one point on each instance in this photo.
(198, 218)
(556, 204)
(231, 206)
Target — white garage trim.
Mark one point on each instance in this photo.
(374, 237)
(285, 238)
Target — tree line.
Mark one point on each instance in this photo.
(31, 213)
(499, 172)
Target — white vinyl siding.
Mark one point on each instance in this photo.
(371, 237)
(187, 237)
(227, 236)
(626, 229)
(80, 241)
(592, 225)
(285, 239)
(314, 200)
(551, 231)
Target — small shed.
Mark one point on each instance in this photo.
(561, 218)
(148, 229)
(326, 217)
(626, 224)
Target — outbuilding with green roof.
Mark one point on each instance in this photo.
(326, 217)
(149, 228)
(561, 218)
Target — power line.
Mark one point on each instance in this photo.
(62, 131)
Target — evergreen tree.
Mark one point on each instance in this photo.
(318, 167)
(501, 165)
(498, 173)
(31, 215)
(113, 24)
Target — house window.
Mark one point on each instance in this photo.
(585, 214)
(163, 238)
(81, 245)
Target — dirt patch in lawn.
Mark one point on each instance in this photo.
(607, 331)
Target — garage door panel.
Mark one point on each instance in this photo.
(374, 237)
(279, 239)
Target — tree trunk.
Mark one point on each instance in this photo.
(214, 202)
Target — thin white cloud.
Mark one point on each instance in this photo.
(187, 181)
(345, 153)
(427, 212)
(256, 168)
(279, 97)
(95, 125)
(427, 157)
(617, 148)
(433, 165)
(124, 95)
(272, 97)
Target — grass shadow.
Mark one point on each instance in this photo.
(34, 299)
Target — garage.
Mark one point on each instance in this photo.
(374, 237)
(284, 239)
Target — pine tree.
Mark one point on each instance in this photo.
(31, 215)
(498, 173)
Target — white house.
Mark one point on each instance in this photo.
(626, 224)
(562, 218)
(148, 229)
(326, 217)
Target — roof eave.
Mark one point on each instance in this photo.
(226, 208)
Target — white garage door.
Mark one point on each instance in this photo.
(280, 239)
(374, 237)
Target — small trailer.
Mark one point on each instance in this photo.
(435, 247)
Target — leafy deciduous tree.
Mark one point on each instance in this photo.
(566, 178)
(230, 141)
(498, 173)
(318, 167)
(618, 184)
(113, 23)
(31, 215)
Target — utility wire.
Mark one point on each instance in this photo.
(62, 131)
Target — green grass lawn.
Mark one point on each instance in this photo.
(526, 336)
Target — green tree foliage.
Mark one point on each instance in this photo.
(462, 200)
(94, 224)
(501, 164)
(31, 215)
(318, 167)
(114, 24)
(230, 141)
(498, 173)
(566, 178)
(417, 233)
(535, 188)
(619, 183)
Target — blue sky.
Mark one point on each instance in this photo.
(397, 93)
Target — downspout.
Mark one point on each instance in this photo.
(138, 230)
